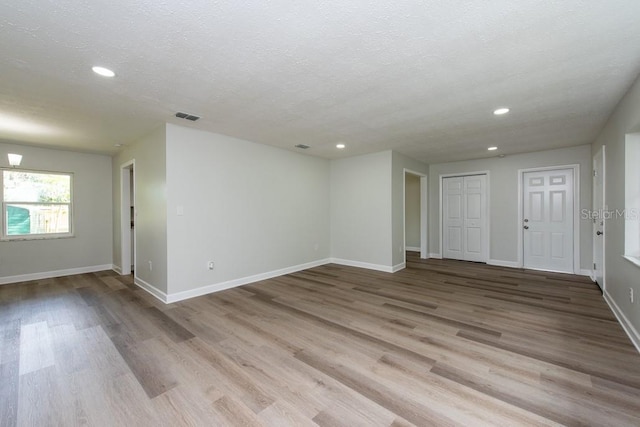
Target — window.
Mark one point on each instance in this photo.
(36, 205)
(632, 199)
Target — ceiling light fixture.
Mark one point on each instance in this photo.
(492, 148)
(340, 146)
(14, 159)
(500, 111)
(104, 72)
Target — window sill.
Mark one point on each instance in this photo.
(28, 238)
(632, 259)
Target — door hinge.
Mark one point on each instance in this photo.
(594, 266)
(595, 172)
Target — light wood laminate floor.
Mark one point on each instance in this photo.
(440, 343)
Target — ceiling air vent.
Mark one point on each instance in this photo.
(302, 146)
(187, 116)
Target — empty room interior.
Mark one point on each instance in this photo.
(320, 213)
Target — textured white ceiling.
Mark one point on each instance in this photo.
(419, 77)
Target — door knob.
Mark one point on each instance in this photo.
(526, 227)
(599, 233)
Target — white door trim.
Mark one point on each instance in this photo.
(424, 234)
(576, 212)
(604, 222)
(424, 217)
(127, 258)
(488, 239)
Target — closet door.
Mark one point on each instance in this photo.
(464, 214)
(452, 218)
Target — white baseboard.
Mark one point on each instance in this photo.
(367, 265)
(412, 249)
(502, 263)
(208, 289)
(151, 289)
(399, 267)
(116, 268)
(622, 319)
(435, 255)
(56, 273)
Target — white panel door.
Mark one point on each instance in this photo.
(598, 220)
(548, 220)
(465, 218)
(475, 207)
(452, 225)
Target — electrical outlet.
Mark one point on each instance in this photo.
(210, 265)
(631, 294)
(150, 266)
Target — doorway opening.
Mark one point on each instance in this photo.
(127, 218)
(414, 209)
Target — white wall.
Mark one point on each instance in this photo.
(90, 249)
(620, 274)
(251, 208)
(149, 154)
(361, 222)
(412, 211)
(400, 163)
(503, 197)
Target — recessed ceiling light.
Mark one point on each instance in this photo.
(500, 111)
(117, 145)
(104, 72)
(340, 146)
(492, 148)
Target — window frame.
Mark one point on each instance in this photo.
(41, 236)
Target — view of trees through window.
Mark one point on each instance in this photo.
(36, 203)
